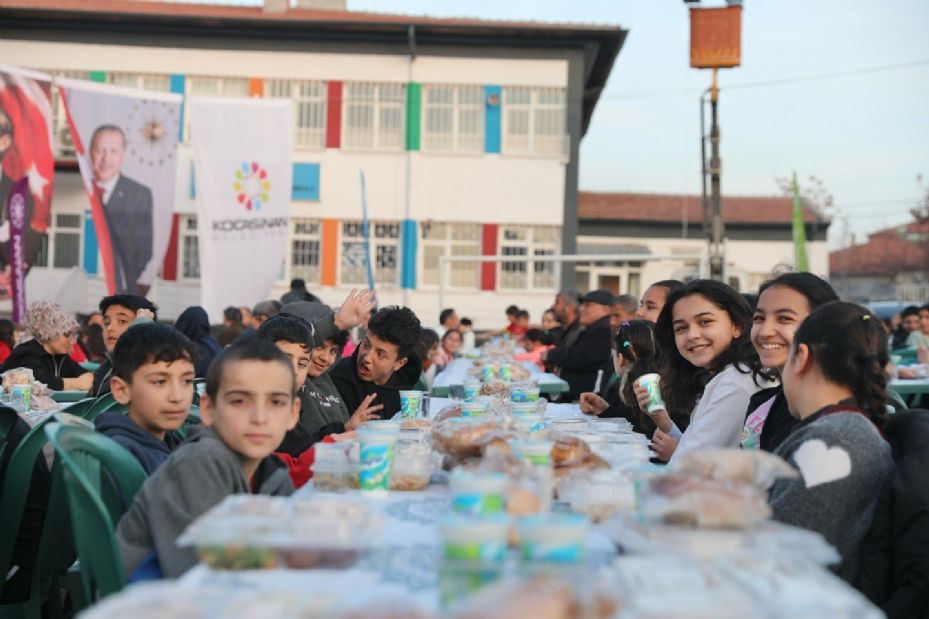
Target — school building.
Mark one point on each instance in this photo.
(467, 132)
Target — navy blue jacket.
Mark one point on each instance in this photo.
(146, 448)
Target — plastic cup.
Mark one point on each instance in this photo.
(377, 453)
(488, 373)
(523, 408)
(526, 394)
(477, 494)
(506, 372)
(410, 404)
(533, 451)
(473, 409)
(23, 392)
(474, 540)
(472, 388)
(553, 538)
(651, 383)
(529, 423)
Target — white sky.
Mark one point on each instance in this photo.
(864, 133)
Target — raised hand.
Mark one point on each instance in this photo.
(354, 309)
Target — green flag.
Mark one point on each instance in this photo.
(799, 229)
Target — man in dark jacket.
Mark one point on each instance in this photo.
(579, 361)
(383, 364)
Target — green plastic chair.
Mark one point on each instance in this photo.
(79, 408)
(101, 480)
(102, 404)
(199, 383)
(8, 418)
(192, 421)
(55, 552)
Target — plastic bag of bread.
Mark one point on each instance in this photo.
(452, 410)
(467, 437)
(688, 500)
(570, 454)
(747, 466)
(542, 597)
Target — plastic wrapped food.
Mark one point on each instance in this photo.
(412, 467)
(469, 437)
(542, 597)
(570, 453)
(687, 500)
(17, 376)
(597, 494)
(448, 412)
(747, 466)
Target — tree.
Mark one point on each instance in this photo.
(813, 192)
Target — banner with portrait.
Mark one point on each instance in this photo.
(25, 153)
(242, 154)
(126, 144)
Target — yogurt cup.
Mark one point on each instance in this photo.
(472, 389)
(376, 453)
(523, 408)
(526, 394)
(473, 409)
(537, 452)
(651, 382)
(474, 540)
(506, 372)
(529, 423)
(477, 493)
(553, 538)
(410, 404)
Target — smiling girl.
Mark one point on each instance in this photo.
(708, 368)
(783, 303)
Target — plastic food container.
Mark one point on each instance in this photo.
(332, 477)
(473, 409)
(477, 493)
(412, 467)
(474, 540)
(538, 452)
(600, 494)
(529, 423)
(570, 425)
(553, 538)
(523, 408)
(525, 394)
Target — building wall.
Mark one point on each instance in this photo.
(495, 188)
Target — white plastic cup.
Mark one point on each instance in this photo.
(377, 453)
(410, 404)
(651, 382)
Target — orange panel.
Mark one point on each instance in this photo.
(330, 253)
(256, 87)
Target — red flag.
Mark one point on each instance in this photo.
(25, 97)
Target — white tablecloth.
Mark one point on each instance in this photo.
(456, 372)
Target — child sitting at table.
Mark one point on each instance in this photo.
(709, 369)
(153, 374)
(835, 385)
(249, 404)
(535, 342)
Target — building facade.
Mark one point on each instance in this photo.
(467, 133)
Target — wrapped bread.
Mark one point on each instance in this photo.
(570, 454)
(693, 501)
(746, 466)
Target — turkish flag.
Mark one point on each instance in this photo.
(25, 98)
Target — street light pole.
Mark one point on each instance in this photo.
(717, 229)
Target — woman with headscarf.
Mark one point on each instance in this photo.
(53, 330)
(195, 324)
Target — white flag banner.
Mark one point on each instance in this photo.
(243, 174)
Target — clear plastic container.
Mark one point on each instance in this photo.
(553, 538)
(474, 540)
(412, 467)
(477, 493)
(598, 494)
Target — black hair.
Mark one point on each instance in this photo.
(635, 342)
(246, 349)
(467, 322)
(150, 342)
(668, 284)
(522, 314)
(91, 341)
(750, 298)
(511, 310)
(297, 284)
(287, 328)
(232, 313)
(131, 302)
(444, 314)
(910, 310)
(7, 329)
(536, 335)
(427, 339)
(397, 325)
(816, 290)
(849, 345)
(924, 308)
(681, 382)
(449, 332)
(340, 339)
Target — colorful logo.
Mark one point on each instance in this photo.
(251, 185)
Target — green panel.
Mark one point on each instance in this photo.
(98, 76)
(413, 111)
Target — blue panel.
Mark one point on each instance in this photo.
(409, 240)
(90, 245)
(177, 86)
(306, 181)
(493, 101)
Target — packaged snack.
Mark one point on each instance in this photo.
(412, 467)
(687, 500)
(747, 466)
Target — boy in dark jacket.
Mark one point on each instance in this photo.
(153, 374)
(120, 312)
(383, 364)
(249, 405)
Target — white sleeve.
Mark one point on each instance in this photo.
(718, 418)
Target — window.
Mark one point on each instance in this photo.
(534, 121)
(309, 109)
(450, 239)
(385, 252)
(453, 119)
(64, 145)
(143, 81)
(374, 116)
(190, 248)
(304, 250)
(62, 243)
(528, 241)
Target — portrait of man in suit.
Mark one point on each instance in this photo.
(127, 206)
(33, 239)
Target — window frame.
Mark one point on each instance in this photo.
(377, 106)
(532, 247)
(305, 138)
(455, 141)
(448, 244)
(535, 109)
(296, 236)
(375, 243)
(185, 232)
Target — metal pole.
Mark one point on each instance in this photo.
(716, 243)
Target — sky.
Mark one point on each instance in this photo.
(849, 102)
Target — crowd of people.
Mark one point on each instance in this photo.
(794, 371)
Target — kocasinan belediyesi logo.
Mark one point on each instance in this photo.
(252, 187)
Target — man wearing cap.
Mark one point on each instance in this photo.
(580, 360)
